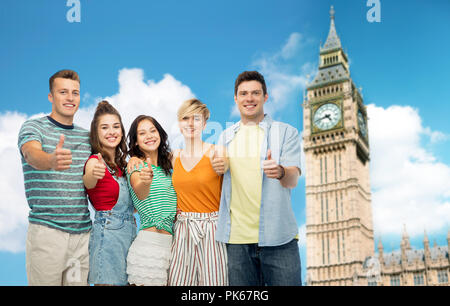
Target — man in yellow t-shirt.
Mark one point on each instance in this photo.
(256, 219)
(246, 184)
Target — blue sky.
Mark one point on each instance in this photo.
(203, 45)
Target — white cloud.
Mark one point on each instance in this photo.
(409, 185)
(13, 208)
(136, 96)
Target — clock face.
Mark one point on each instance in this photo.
(327, 116)
(362, 124)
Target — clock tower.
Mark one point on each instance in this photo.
(339, 228)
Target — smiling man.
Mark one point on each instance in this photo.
(53, 152)
(256, 219)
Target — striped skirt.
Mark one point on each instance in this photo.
(197, 258)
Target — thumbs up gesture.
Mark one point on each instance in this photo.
(98, 171)
(271, 168)
(219, 161)
(61, 158)
(146, 174)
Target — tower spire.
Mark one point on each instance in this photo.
(332, 12)
(333, 41)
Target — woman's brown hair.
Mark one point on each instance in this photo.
(104, 108)
(164, 152)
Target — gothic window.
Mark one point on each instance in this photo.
(321, 176)
(418, 279)
(326, 174)
(337, 212)
(323, 250)
(343, 246)
(321, 204)
(338, 248)
(328, 248)
(326, 201)
(395, 280)
(335, 169)
(442, 276)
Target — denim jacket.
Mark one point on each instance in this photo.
(277, 224)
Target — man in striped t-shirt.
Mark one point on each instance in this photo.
(54, 152)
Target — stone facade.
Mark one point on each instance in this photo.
(409, 267)
(339, 227)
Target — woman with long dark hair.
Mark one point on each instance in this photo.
(114, 228)
(155, 200)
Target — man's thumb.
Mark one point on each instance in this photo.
(269, 154)
(214, 154)
(61, 142)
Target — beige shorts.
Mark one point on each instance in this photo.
(56, 258)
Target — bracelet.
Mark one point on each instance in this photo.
(283, 173)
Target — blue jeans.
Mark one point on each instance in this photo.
(251, 265)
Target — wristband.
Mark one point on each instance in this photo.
(283, 173)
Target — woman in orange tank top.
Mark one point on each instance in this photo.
(197, 258)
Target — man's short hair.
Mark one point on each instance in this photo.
(64, 74)
(250, 76)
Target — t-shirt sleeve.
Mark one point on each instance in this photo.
(290, 149)
(28, 132)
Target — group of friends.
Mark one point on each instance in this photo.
(209, 214)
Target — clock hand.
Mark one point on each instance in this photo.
(320, 119)
(325, 116)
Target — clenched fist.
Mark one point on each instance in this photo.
(271, 168)
(61, 159)
(98, 171)
(146, 174)
(219, 161)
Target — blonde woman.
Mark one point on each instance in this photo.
(197, 258)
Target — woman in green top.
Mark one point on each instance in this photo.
(155, 200)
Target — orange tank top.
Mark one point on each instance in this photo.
(199, 189)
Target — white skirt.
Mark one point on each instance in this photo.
(149, 258)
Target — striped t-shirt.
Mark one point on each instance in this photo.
(57, 199)
(159, 208)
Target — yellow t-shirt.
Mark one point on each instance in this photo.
(246, 184)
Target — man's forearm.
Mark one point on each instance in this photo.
(290, 178)
(37, 158)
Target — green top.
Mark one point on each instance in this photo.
(159, 208)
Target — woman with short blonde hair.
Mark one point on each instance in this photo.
(197, 258)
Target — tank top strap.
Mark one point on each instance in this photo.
(207, 151)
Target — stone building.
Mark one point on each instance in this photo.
(409, 267)
(339, 227)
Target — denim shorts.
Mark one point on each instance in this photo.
(111, 237)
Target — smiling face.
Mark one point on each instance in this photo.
(250, 99)
(109, 131)
(148, 138)
(192, 126)
(65, 99)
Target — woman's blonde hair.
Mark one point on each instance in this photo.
(191, 107)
